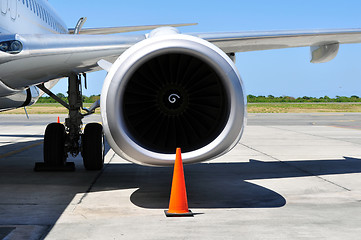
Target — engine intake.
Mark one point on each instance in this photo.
(175, 100)
(172, 91)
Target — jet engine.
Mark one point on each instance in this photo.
(168, 91)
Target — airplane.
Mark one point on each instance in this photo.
(163, 90)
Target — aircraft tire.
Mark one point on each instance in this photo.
(54, 141)
(93, 146)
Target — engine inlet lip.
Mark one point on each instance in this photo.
(122, 70)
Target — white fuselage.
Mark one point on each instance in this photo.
(29, 17)
(24, 17)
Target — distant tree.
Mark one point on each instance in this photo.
(288, 99)
(60, 95)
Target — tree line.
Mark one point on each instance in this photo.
(273, 99)
(86, 99)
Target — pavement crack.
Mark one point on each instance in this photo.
(299, 169)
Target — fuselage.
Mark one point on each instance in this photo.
(24, 17)
(30, 17)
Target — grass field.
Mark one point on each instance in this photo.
(44, 108)
(302, 107)
(54, 108)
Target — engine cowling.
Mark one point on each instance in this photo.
(172, 91)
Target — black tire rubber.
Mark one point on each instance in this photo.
(54, 141)
(93, 146)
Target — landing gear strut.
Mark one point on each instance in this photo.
(60, 140)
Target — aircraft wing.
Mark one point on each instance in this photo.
(52, 56)
(253, 41)
(59, 54)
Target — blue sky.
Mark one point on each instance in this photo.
(276, 72)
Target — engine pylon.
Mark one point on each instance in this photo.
(178, 204)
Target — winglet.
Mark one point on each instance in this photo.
(79, 25)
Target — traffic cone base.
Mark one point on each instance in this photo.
(178, 204)
(187, 214)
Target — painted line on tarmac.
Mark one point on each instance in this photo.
(350, 120)
(348, 127)
(328, 114)
(20, 150)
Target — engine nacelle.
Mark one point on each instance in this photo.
(172, 91)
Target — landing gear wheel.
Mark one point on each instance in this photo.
(54, 141)
(93, 146)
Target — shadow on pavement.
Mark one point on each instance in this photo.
(32, 198)
(22, 135)
(217, 185)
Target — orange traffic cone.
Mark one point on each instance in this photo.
(178, 204)
(58, 119)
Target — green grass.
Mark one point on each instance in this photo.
(303, 107)
(44, 108)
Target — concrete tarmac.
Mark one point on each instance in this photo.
(292, 176)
